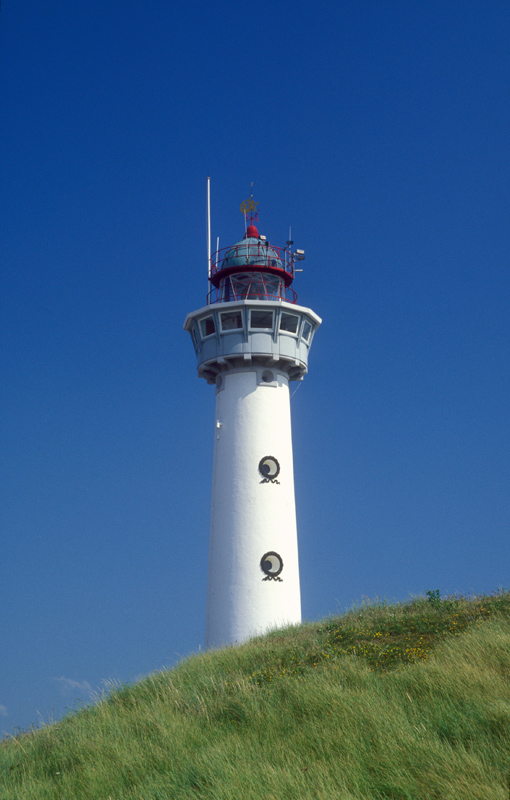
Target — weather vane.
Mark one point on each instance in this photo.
(250, 205)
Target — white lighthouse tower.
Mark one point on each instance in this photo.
(251, 341)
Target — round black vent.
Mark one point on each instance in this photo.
(271, 564)
(269, 467)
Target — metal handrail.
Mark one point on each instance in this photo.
(260, 254)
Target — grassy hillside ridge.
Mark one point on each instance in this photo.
(393, 702)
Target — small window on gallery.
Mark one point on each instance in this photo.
(261, 319)
(307, 330)
(207, 327)
(231, 320)
(289, 322)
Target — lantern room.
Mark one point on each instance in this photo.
(253, 269)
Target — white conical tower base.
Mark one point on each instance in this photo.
(250, 515)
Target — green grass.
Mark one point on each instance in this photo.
(387, 702)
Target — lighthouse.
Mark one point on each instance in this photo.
(252, 340)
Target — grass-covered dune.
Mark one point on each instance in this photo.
(387, 701)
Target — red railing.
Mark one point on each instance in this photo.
(260, 254)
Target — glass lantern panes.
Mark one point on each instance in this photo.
(252, 286)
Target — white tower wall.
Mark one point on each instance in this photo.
(251, 515)
(251, 361)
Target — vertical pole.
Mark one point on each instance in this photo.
(208, 235)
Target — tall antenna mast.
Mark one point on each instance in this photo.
(208, 232)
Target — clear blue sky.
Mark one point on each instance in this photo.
(380, 132)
